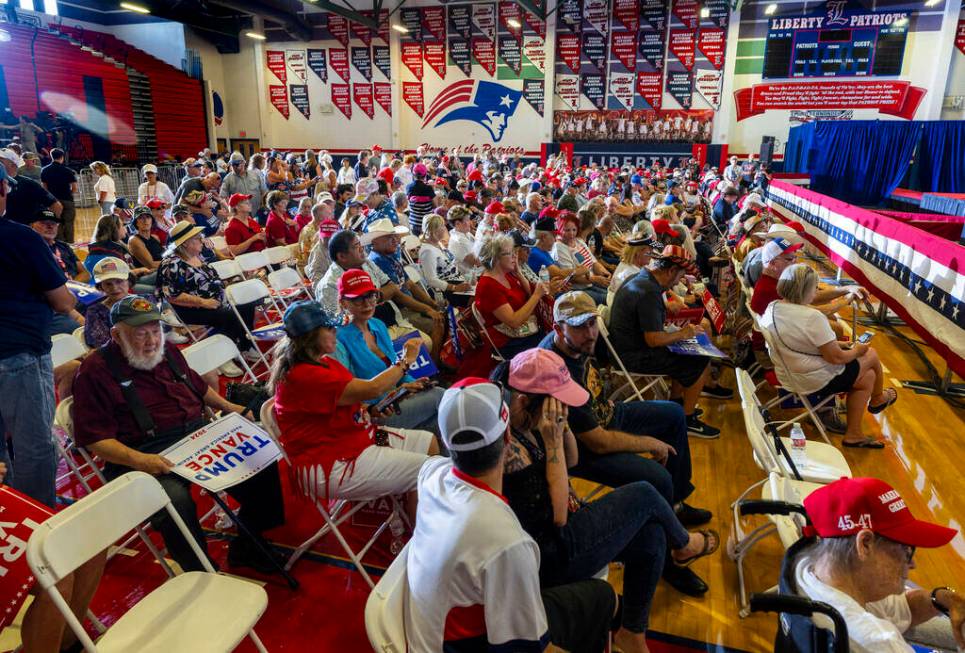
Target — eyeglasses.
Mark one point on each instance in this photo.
(907, 550)
(369, 298)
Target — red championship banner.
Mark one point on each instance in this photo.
(276, 64)
(714, 311)
(623, 46)
(342, 99)
(278, 94)
(19, 517)
(484, 53)
(412, 58)
(568, 50)
(412, 95)
(434, 23)
(362, 33)
(511, 18)
(627, 12)
(894, 98)
(650, 88)
(363, 98)
(711, 43)
(682, 46)
(338, 61)
(538, 26)
(686, 11)
(960, 36)
(338, 28)
(435, 56)
(383, 96)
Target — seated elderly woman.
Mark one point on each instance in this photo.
(634, 257)
(437, 263)
(365, 348)
(505, 300)
(809, 359)
(196, 291)
(570, 252)
(859, 565)
(108, 240)
(335, 448)
(111, 277)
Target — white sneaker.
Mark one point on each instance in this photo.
(231, 370)
(175, 338)
(251, 355)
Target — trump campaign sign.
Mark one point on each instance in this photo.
(19, 517)
(223, 453)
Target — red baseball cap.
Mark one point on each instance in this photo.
(661, 226)
(475, 175)
(376, 148)
(495, 207)
(850, 505)
(237, 199)
(355, 283)
(387, 175)
(470, 195)
(328, 227)
(549, 212)
(155, 203)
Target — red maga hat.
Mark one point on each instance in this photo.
(495, 207)
(355, 283)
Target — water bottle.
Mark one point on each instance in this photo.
(397, 528)
(798, 446)
(544, 274)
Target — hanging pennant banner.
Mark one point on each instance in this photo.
(534, 49)
(511, 18)
(627, 12)
(338, 28)
(650, 88)
(460, 21)
(362, 60)
(597, 14)
(719, 11)
(382, 60)
(278, 95)
(594, 50)
(960, 36)
(592, 88)
(711, 44)
(681, 87)
(651, 48)
(623, 45)
(412, 21)
(459, 53)
(362, 32)
(534, 94)
(341, 99)
(299, 97)
(338, 60)
(435, 56)
(295, 63)
(568, 89)
(484, 18)
(434, 23)
(484, 53)
(363, 98)
(621, 88)
(412, 58)
(682, 46)
(316, 61)
(568, 50)
(412, 95)
(569, 13)
(383, 31)
(655, 13)
(510, 52)
(276, 64)
(536, 25)
(686, 11)
(708, 83)
(382, 91)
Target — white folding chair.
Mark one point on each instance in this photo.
(252, 262)
(384, 609)
(279, 255)
(214, 351)
(64, 348)
(335, 513)
(287, 285)
(227, 269)
(79, 334)
(653, 382)
(175, 617)
(415, 274)
(248, 292)
(410, 244)
(219, 243)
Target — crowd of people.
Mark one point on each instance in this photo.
(524, 285)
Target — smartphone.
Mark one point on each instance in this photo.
(390, 399)
(866, 337)
(568, 277)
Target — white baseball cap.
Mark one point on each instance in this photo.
(148, 167)
(474, 409)
(11, 156)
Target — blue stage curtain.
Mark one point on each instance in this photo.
(798, 148)
(942, 157)
(862, 161)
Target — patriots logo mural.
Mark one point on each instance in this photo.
(485, 103)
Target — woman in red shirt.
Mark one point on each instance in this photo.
(505, 299)
(280, 226)
(335, 449)
(243, 233)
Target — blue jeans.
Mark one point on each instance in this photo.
(27, 416)
(633, 525)
(663, 420)
(419, 411)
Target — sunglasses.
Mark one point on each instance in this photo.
(368, 298)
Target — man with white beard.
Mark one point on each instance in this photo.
(135, 397)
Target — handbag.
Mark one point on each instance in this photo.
(249, 395)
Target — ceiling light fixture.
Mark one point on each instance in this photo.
(401, 29)
(705, 13)
(932, 3)
(255, 35)
(512, 22)
(901, 22)
(771, 8)
(130, 6)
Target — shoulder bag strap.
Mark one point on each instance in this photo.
(141, 415)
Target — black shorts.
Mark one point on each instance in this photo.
(843, 382)
(683, 369)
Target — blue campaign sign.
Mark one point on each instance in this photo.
(86, 295)
(423, 366)
(699, 346)
(271, 332)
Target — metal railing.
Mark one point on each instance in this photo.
(126, 182)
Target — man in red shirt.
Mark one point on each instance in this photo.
(777, 255)
(243, 234)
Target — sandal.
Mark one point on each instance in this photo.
(892, 398)
(706, 551)
(868, 443)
